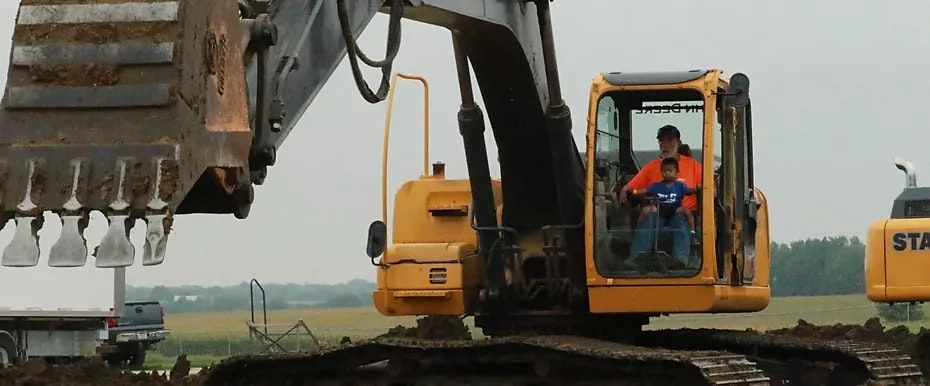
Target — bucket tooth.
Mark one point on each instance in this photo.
(115, 250)
(23, 251)
(159, 220)
(71, 248)
(156, 239)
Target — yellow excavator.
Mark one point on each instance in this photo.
(590, 274)
(897, 248)
(149, 109)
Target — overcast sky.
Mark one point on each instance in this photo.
(836, 91)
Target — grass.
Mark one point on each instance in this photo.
(785, 312)
(356, 323)
(364, 322)
(209, 337)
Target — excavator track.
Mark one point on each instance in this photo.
(508, 360)
(801, 360)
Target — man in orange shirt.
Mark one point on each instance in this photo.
(689, 171)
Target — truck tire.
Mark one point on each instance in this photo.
(137, 358)
(7, 350)
(115, 360)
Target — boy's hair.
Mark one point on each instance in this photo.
(670, 161)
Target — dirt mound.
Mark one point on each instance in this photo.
(433, 327)
(916, 345)
(93, 371)
(181, 369)
(872, 330)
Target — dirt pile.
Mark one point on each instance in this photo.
(93, 371)
(180, 370)
(433, 327)
(916, 345)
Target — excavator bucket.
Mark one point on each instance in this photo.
(137, 109)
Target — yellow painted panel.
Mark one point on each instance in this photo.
(907, 252)
(417, 276)
(908, 294)
(453, 304)
(428, 210)
(900, 250)
(406, 288)
(428, 252)
(875, 283)
(677, 299)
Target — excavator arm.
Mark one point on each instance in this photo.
(147, 109)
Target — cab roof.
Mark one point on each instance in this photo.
(650, 78)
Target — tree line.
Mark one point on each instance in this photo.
(824, 266)
(355, 293)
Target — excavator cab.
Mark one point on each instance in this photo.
(721, 264)
(897, 259)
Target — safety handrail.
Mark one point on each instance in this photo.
(387, 134)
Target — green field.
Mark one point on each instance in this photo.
(211, 336)
(783, 312)
(367, 322)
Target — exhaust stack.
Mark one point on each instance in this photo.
(910, 172)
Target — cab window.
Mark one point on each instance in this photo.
(646, 235)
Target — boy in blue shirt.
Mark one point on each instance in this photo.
(669, 193)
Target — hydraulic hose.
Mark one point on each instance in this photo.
(355, 53)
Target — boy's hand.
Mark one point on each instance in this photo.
(623, 194)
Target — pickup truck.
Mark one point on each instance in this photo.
(132, 333)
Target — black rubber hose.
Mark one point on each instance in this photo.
(354, 53)
(393, 40)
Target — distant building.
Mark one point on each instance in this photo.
(187, 298)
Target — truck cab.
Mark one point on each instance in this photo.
(135, 331)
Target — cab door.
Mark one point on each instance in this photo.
(740, 208)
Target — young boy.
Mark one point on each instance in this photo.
(670, 192)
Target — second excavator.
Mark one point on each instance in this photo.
(151, 109)
(896, 267)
